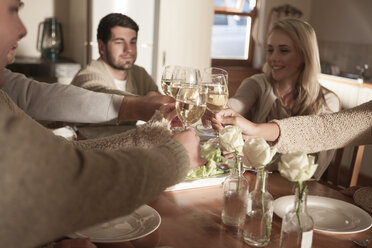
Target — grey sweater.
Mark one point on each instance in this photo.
(50, 188)
(58, 102)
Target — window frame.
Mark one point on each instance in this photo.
(237, 62)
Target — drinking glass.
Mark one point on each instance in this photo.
(217, 93)
(215, 80)
(187, 75)
(191, 102)
(181, 76)
(215, 71)
(167, 77)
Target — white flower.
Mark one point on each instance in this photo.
(297, 166)
(231, 139)
(257, 153)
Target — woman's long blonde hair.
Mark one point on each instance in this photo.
(308, 98)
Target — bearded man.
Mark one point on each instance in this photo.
(115, 71)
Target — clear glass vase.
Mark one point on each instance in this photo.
(257, 227)
(297, 224)
(235, 194)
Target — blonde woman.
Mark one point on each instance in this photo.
(289, 83)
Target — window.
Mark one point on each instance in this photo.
(231, 33)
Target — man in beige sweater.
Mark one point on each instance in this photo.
(50, 187)
(115, 71)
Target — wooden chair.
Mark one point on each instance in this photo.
(339, 176)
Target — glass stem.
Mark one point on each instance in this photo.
(299, 201)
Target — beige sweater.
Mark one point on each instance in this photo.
(97, 77)
(50, 188)
(322, 132)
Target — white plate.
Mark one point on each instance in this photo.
(329, 215)
(140, 223)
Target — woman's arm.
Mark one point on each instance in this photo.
(268, 131)
(329, 131)
(245, 96)
(312, 133)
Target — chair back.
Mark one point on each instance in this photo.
(339, 176)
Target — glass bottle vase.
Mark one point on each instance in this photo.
(257, 227)
(297, 224)
(235, 194)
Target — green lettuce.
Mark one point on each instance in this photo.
(213, 155)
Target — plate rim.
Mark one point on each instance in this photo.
(92, 239)
(334, 200)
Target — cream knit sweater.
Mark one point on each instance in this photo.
(323, 132)
(50, 188)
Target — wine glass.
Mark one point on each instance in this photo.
(187, 75)
(218, 93)
(191, 103)
(167, 77)
(215, 70)
(183, 75)
(215, 80)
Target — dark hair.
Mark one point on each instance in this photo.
(113, 20)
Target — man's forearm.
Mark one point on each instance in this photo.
(141, 107)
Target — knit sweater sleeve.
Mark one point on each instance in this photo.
(152, 133)
(329, 131)
(63, 188)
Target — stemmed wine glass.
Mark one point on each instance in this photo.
(183, 76)
(215, 80)
(215, 71)
(217, 93)
(167, 78)
(191, 103)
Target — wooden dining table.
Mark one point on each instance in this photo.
(191, 218)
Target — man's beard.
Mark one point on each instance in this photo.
(119, 66)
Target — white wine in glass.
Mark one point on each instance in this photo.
(165, 86)
(191, 103)
(217, 97)
(215, 79)
(175, 87)
(167, 78)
